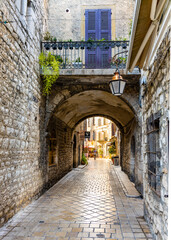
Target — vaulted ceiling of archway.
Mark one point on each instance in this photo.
(88, 103)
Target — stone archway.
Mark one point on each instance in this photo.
(71, 105)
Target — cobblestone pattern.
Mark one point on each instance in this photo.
(88, 204)
(73, 20)
(20, 99)
(157, 98)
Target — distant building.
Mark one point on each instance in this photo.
(102, 132)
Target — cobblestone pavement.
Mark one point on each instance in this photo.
(87, 204)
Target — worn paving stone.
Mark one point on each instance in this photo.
(89, 205)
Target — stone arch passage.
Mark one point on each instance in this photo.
(74, 108)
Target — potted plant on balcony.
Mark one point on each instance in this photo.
(47, 37)
(78, 63)
(89, 43)
(54, 44)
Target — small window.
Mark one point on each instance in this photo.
(52, 151)
(94, 136)
(89, 122)
(153, 152)
(113, 130)
(99, 135)
(99, 122)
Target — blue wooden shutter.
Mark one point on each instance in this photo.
(91, 32)
(91, 24)
(105, 24)
(105, 33)
(97, 26)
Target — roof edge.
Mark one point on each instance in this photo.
(135, 21)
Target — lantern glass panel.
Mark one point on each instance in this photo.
(116, 86)
(122, 86)
(111, 87)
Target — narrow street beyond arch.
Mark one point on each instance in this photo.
(88, 203)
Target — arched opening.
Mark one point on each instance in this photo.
(101, 140)
(74, 109)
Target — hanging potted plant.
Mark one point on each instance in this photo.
(49, 71)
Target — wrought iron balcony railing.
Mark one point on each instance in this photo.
(88, 54)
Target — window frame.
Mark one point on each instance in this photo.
(153, 157)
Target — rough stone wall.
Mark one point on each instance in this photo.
(64, 159)
(156, 98)
(135, 172)
(21, 174)
(122, 12)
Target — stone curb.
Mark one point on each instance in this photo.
(126, 191)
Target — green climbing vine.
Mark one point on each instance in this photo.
(50, 71)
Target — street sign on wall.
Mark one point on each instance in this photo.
(87, 134)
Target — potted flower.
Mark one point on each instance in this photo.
(78, 63)
(84, 160)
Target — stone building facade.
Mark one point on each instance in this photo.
(21, 175)
(71, 14)
(24, 168)
(156, 106)
(39, 137)
(154, 96)
(101, 131)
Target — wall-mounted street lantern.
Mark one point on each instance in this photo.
(117, 85)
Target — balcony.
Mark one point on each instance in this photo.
(88, 55)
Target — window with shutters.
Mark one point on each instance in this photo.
(113, 130)
(99, 122)
(89, 122)
(98, 26)
(99, 136)
(153, 152)
(94, 135)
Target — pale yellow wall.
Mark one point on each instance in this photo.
(71, 25)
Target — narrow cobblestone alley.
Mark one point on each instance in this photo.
(86, 204)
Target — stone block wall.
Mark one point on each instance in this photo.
(71, 15)
(21, 174)
(156, 99)
(63, 162)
